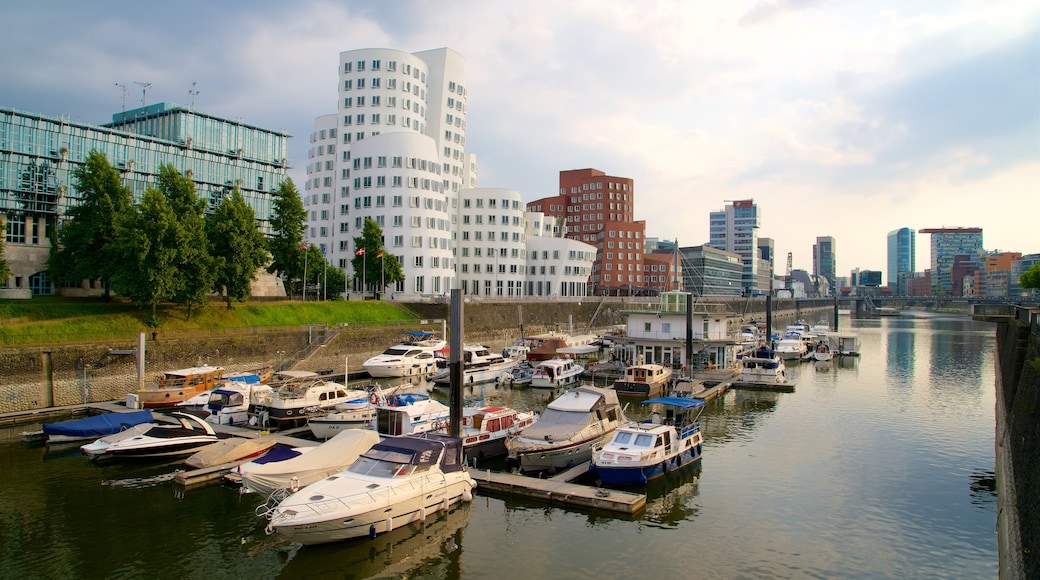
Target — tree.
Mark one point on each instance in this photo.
(5, 268)
(236, 245)
(84, 249)
(380, 267)
(321, 274)
(197, 274)
(288, 222)
(1031, 277)
(146, 249)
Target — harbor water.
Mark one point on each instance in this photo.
(876, 466)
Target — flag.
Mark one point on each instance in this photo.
(303, 246)
(380, 254)
(360, 252)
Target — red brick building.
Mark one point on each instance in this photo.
(598, 210)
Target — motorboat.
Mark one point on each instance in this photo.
(565, 433)
(822, 352)
(158, 442)
(274, 455)
(408, 413)
(486, 429)
(398, 481)
(642, 451)
(844, 343)
(229, 403)
(547, 346)
(763, 366)
(94, 427)
(176, 386)
(480, 365)
(228, 451)
(298, 396)
(518, 376)
(820, 329)
(330, 457)
(413, 356)
(791, 346)
(556, 372)
(644, 380)
(359, 413)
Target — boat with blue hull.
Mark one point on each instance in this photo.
(644, 451)
(94, 427)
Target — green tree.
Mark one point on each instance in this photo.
(322, 277)
(146, 249)
(197, 274)
(5, 268)
(380, 267)
(236, 245)
(1031, 277)
(84, 249)
(288, 222)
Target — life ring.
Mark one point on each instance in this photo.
(391, 400)
(373, 398)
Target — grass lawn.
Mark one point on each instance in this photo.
(54, 319)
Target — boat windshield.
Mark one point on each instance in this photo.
(379, 468)
(396, 351)
(557, 417)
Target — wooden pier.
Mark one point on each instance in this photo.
(557, 491)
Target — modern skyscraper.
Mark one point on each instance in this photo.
(598, 210)
(824, 263)
(947, 243)
(902, 257)
(394, 152)
(735, 229)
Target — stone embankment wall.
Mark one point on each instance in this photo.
(1018, 450)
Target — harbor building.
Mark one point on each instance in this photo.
(735, 229)
(902, 258)
(38, 155)
(825, 266)
(395, 152)
(946, 245)
(1018, 267)
(557, 266)
(598, 209)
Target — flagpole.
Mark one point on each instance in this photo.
(382, 276)
(305, 248)
(364, 267)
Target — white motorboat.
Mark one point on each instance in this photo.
(555, 373)
(408, 413)
(398, 481)
(298, 396)
(414, 356)
(359, 413)
(763, 366)
(486, 429)
(158, 442)
(791, 346)
(644, 380)
(565, 433)
(91, 428)
(821, 329)
(330, 457)
(480, 365)
(273, 455)
(822, 351)
(640, 452)
(229, 403)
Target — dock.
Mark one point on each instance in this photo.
(781, 387)
(557, 491)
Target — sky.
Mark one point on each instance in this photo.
(839, 118)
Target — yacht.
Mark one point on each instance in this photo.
(791, 346)
(480, 365)
(486, 429)
(413, 356)
(157, 442)
(556, 372)
(763, 366)
(644, 380)
(297, 396)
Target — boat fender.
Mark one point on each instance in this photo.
(294, 484)
(373, 398)
(642, 478)
(289, 412)
(666, 466)
(422, 514)
(372, 531)
(389, 524)
(467, 495)
(445, 505)
(391, 400)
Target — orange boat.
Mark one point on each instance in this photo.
(176, 386)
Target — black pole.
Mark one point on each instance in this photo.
(835, 313)
(455, 364)
(769, 320)
(689, 335)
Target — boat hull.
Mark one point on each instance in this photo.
(636, 389)
(641, 474)
(558, 457)
(327, 428)
(472, 377)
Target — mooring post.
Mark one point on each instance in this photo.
(455, 364)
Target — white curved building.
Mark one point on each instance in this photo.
(557, 266)
(491, 242)
(393, 152)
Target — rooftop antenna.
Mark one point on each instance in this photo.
(191, 96)
(123, 86)
(144, 91)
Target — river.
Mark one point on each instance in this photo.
(880, 466)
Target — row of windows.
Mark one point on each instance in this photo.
(595, 186)
(391, 66)
(504, 253)
(491, 219)
(492, 203)
(391, 84)
(516, 236)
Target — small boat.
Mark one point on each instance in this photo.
(565, 433)
(159, 442)
(556, 372)
(644, 380)
(844, 343)
(413, 356)
(407, 413)
(480, 365)
(821, 329)
(519, 376)
(95, 426)
(358, 413)
(273, 455)
(296, 397)
(229, 403)
(228, 451)
(173, 387)
(640, 452)
(398, 481)
(486, 429)
(791, 346)
(763, 366)
(330, 457)
(822, 352)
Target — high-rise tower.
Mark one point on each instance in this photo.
(902, 258)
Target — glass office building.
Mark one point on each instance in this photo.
(902, 257)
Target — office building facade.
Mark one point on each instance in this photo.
(735, 229)
(825, 266)
(902, 257)
(946, 245)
